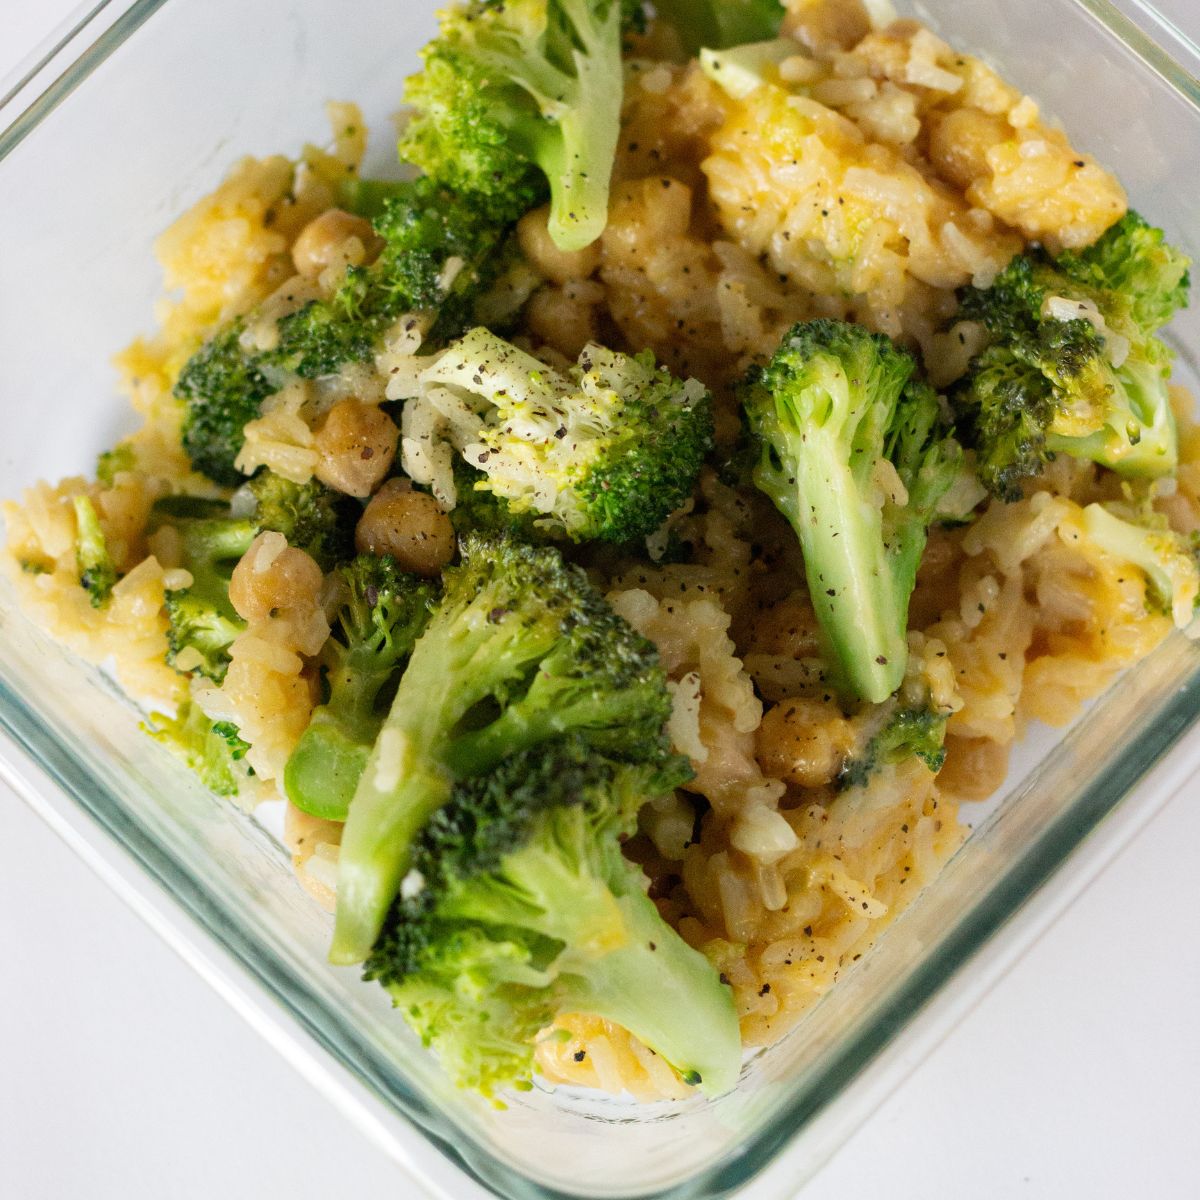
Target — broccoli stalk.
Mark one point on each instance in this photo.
(857, 459)
(1073, 366)
(518, 97)
(524, 908)
(381, 614)
(521, 649)
(97, 574)
(603, 452)
(720, 24)
(1166, 558)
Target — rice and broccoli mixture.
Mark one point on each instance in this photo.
(627, 542)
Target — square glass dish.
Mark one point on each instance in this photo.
(135, 112)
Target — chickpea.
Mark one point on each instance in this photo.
(960, 141)
(804, 742)
(975, 767)
(274, 579)
(356, 444)
(409, 526)
(539, 248)
(325, 242)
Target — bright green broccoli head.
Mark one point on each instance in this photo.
(521, 650)
(1073, 366)
(97, 574)
(381, 613)
(520, 906)
(214, 750)
(202, 623)
(858, 459)
(1145, 279)
(604, 452)
(521, 98)
(222, 388)
(313, 517)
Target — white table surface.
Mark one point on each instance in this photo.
(122, 1075)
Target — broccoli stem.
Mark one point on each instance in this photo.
(578, 163)
(846, 564)
(324, 769)
(463, 658)
(663, 992)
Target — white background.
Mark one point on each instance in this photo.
(122, 1075)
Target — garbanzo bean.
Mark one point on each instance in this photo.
(357, 443)
(544, 256)
(409, 526)
(274, 579)
(325, 242)
(804, 742)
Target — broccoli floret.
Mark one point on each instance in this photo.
(856, 456)
(519, 98)
(1167, 559)
(112, 462)
(213, 750)
(201, 621)
(313, 517)
(440, 253)
(604, 452)
(381, 613)
(907, 733)
(97, 574)
(478, 509)
(222, 389)
(521, 907)
(719, 24)
(522, 649)
(1073, 366)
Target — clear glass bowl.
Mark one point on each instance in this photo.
(131, 115)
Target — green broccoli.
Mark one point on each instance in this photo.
(97, 574)
(523, 97)
(856, 456)
(1073, 366)
(222, 389)
(520, 906)
(907, 733)
(1167, 559)
(213, 537)
(111, 463)
(313, 517)
(521, 650)
(440, 254)
(202, 623)
(380, 616)
(719, 24)
(214, 750)
(604, 452)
